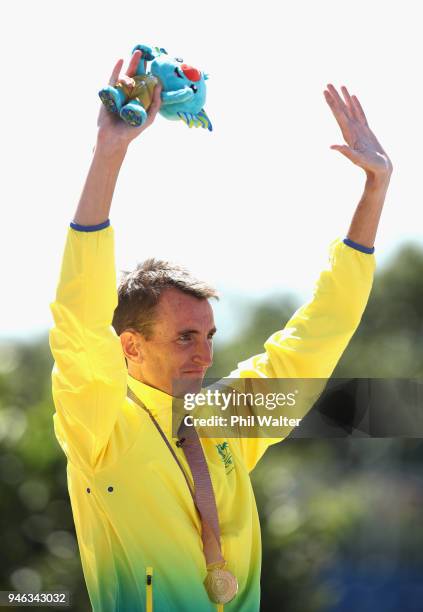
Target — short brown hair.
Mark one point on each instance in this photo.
(139, 292)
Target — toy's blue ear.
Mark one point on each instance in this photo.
(196, 120)
(149, 53)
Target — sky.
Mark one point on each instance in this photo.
(250, 207)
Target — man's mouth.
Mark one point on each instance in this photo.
(198, 372)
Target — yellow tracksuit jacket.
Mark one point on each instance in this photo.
(137, 527)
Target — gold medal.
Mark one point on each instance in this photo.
(221, 585)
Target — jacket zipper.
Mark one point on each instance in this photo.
(149, 590)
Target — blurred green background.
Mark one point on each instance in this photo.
(341, 519)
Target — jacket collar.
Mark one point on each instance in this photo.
(157, 402)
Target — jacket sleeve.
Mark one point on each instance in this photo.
(89, 374)
(315, 337)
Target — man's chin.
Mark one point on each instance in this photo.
(188, 383)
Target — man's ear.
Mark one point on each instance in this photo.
(131, 346)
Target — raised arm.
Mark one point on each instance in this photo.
(89, 375)
(113, 139)
(316, 336)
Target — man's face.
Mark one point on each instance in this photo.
(181, 346)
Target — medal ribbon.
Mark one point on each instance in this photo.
(203, 495)
(220, 584)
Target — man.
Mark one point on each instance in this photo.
(138, 528)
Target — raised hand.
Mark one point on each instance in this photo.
(362, 147)
(114, 132)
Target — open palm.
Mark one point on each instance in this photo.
(362, 147)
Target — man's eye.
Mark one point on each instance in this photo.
(184, 337)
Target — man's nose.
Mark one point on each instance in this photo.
(204, 354)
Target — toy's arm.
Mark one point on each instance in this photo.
(148, 53)
(147, 56)
(179, 96)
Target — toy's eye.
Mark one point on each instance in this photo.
(179, 59)
(178, 73)
(194, 88)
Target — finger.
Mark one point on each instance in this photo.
(133, 63)
(348, 102)
(116, 72)
(338, 113)
(347, 152)
(335, 108)
(335, 95)
(359, 110)
(127, 81)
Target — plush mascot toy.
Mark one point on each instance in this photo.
(183, 91)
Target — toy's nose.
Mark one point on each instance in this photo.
(191, 73)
